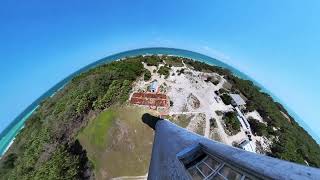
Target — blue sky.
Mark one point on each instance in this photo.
(276, 43)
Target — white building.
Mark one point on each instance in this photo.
(154, 86)
(246, 145)
(237, 100)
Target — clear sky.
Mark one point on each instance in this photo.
(275, 42)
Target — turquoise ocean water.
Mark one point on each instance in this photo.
(8, 135)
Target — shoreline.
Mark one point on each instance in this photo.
(7, 148)
(7, 140)
(20, 120)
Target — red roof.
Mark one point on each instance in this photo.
(149, 99)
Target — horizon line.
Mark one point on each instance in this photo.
(110, 58)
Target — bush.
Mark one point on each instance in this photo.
(147, 75)
(232, 123)
(257, 127)
(181, 71)
(212, 80)
(219, 113)
(213, 123)
(215, 82)
(164, 70)
(226, 99)
(222, 91)
(250, 106)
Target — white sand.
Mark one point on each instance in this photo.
(255, 115)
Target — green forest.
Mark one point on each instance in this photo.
(231, 122)
(47, 148)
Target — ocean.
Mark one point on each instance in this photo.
(7, 136)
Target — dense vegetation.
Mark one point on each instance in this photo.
(173, 61)
(291, 142)
(47, 147)
(213, 123)
(231, 122)
(165, 71)
(258, 128)
(226, 99)
(151, 60)
(147, 75)
(214, 81)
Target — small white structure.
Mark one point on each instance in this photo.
(237, 100)
(247, 146)
(154, 86)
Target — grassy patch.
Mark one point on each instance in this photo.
(200, 129)
(118, 143)
(181, 120)
(95, 132)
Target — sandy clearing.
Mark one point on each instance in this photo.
(255, 115)
(179, 87)
(192, 82)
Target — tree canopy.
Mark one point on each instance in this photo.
(47, 148)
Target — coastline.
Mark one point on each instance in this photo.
(7, 148)
(7, 140)
(8, 135)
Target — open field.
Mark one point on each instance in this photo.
(181, 120)
(118, 143)
(95, 132)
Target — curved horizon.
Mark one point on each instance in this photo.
(273, 42)
(23, 116)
